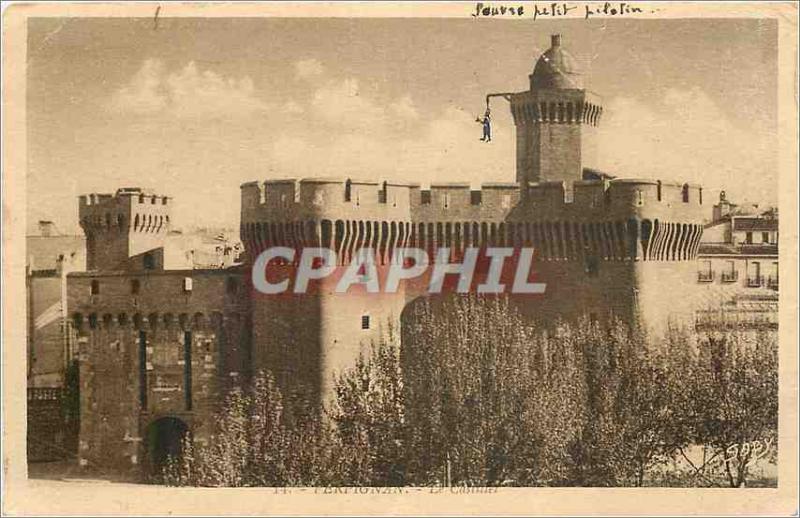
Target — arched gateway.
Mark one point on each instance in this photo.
(163, 439)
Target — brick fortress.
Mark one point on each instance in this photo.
(159, 347)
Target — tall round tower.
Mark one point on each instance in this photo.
(556, 120)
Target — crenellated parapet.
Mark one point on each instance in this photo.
(620, 197)
(129, 209)
(619, 219)
(556, 107)
(121, 226)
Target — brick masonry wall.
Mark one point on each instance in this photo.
(114, 361)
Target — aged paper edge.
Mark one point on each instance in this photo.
(24, 497)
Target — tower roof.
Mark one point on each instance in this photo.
(556, 68)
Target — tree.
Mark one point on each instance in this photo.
(735, 398)
(488, 399)
(258, 442)
(368, 416)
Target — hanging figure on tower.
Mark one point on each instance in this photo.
(487, 125)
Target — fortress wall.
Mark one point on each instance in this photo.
(134, 350)
(619, 219)
(572, 292)
(307, 339)
(122, 226)
(109, 424)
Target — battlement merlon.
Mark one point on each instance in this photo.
(619, 198)
(309, 199)
(570, 106)
(104, 208)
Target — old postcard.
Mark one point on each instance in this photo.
(522, 258)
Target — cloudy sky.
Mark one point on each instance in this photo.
(195, 107)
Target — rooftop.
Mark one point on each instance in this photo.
(556, 68)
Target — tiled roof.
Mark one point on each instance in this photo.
(754, 224)
(727, 249)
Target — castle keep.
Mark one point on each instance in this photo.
(160, 346)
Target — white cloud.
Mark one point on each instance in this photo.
(188, 92)
(344, 106)
(143, 94)
(686, 136)
(444, 149)
(308, 68)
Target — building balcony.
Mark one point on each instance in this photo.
(705, 276)
(772, 282)
(730, 276)
(755, 281)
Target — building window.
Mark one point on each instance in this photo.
(382, 193)
(705, 273)
(348, 189)
(149, 261)
(187, 284)
(730, 274)
(639, 198)
(658, 190)
(425, 197)
(754, 278)
(475, 197)
(772, 281)
(143, 370)
(95, 287)
(364, 321)
(592, 266)
(135, 285)
(748, 238)
(445, 200)
(505, 202)
(232, 285)
(685, 193)
(187, 369)
(765, 237)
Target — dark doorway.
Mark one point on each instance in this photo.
(163, 439)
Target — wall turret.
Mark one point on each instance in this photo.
(556, 120)
(125, 230)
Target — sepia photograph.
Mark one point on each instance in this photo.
(401, 251)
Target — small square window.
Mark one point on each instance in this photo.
(95, 287)
(365, 322)
(187, 284)
(149, 261)
(135, 286)
(425, 197)
(765, 237)
(592, 266)
(475, 197)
